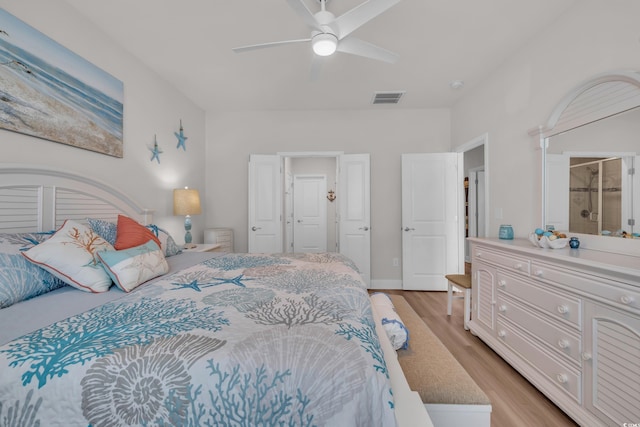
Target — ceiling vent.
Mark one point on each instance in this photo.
(387, 97)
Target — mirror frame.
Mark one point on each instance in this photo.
(602, 96)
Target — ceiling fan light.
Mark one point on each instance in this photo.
(324, 44)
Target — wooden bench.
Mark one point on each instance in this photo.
(448, 392)
(461, 282)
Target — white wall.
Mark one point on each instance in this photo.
(151, 106)
(593, 37)
(384, 133)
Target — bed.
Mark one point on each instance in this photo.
(190, 339)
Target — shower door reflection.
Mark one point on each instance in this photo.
(595, 191)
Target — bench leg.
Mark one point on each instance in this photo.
(467, 308)
(449, 298)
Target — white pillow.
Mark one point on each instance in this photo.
(391, 322)
(131, 267)
(70, 255)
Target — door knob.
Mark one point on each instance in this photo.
(299, 221)
(365, 228)
(254, 228)
(408, 229)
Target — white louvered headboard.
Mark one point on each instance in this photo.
(33, 198)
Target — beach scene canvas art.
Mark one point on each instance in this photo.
(49, 92)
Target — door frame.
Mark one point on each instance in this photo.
(482, 140)
(308, 154)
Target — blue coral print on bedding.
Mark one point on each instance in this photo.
(250, 346)
(49, 352)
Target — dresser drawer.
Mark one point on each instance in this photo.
(557, 305)
(544, 329)
(607, 290)
(560, 374)
(509, 262)
(224, 238)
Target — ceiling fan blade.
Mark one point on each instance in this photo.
(303, 11)
(360, 15)
(316, 67)
(361, 48)
(264, 45)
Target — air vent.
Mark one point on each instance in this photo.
(387, 97)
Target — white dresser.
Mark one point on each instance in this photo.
(221, 236)
(567, 319)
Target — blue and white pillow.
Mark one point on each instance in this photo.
(70, 255)
(105, 229)
(131, 267)
(108, 231)
(391, 322)
(169, 245)
(20, 279)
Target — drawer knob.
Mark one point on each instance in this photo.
(502, 283)
(586, 356)
(563, 309)
(539, 273)
(563, 343)
(518, 266)
(502, 333)
(502, 308)
(562, 378)
(626, 299)
(479, 254)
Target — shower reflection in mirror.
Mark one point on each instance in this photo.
(595, 191)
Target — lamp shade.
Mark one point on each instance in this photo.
(186, 202)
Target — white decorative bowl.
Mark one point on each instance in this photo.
(544, 242)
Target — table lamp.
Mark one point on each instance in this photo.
(186, 202)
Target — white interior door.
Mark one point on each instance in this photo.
(557, 170)
(355, 211)
(288, 211)
(310, 213)
(635, 202)
(431, 192)
(265, 204)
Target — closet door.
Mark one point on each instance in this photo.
(355, 211)
(265, 204)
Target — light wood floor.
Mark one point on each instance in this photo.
(515, 402)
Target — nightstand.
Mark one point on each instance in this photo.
(203, 247)
(223, 236)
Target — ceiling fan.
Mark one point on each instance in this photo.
(329, 33)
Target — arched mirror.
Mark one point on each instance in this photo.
(591, 158)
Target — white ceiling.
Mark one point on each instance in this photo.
(188, 42)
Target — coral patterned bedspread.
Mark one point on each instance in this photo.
(238, 340)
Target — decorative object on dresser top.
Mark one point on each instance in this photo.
(548, 239)
(567, 320)
(221, 236)
(211, 320)
(186, 202)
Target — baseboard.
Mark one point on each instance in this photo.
(386, 284)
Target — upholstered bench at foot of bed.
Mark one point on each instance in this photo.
(449, 393)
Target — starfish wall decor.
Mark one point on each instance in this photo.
(181, 138)
(155, 151)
